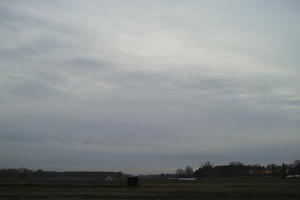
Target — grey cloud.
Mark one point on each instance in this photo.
(32, 89)
(87, 65)
(176, 84)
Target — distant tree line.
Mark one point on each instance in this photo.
(26, 173)
(234, 169)
(187, 172)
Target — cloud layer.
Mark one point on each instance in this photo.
(147, 87)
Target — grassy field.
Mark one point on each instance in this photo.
(92, 188)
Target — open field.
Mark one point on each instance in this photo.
(92, 188)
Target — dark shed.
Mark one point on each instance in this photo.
(133, 181)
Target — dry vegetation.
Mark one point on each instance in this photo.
(92, 188)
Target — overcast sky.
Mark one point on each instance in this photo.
(148, 86)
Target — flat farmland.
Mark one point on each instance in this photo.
(95, 188)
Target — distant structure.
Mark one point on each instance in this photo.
(108, 179)
(133, 181)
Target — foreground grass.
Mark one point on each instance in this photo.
(91, 188)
